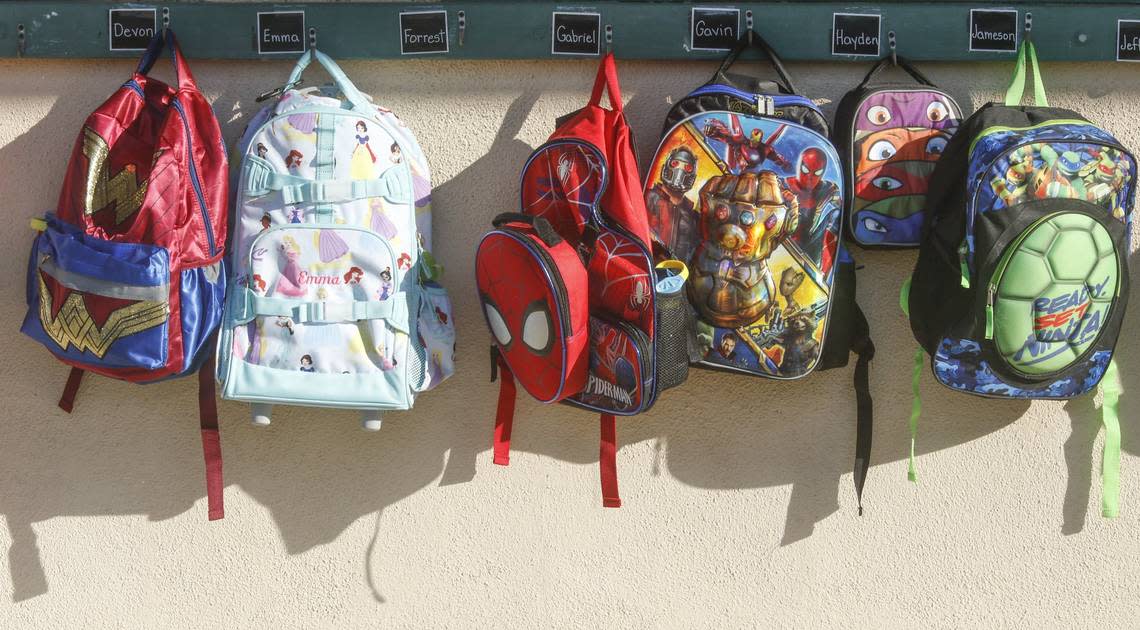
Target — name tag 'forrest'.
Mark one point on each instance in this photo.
(423, 32)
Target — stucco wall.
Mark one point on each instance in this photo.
(739, 508)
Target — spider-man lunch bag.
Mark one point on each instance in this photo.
(528, 277)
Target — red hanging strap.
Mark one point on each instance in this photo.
(67, 398)
(607, 78)
(607, 462)
(211, 440)
(505, 416)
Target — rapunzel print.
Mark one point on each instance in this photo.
(363, 158)
(289, 283)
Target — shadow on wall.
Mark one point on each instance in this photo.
(316, 474)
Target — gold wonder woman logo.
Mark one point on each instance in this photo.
(74, 325)
(101, 189)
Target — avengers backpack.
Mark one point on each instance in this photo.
(126, 277)
(746, 189)
(890, 136)
(568, 286)
(1021, 280)
(332, 302)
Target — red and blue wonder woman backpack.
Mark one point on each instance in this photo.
(126, 277)
(1022, 278)
(568, 285)
(746, 189)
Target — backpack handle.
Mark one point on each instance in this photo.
(900, 62)
(1026, 53)
(164, 38)
(753, 40)
(541, 226)
(607, 78)
(358, 101)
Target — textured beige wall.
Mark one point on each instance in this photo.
(739, 507)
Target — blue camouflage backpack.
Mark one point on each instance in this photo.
(1021, 280)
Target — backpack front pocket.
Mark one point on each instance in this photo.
(620, 377)
(99, 303)
(1052, 292)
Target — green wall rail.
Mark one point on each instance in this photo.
(493, 29)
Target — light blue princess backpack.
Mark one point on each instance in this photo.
(332, 301)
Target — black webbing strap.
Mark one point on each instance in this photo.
(864, 348)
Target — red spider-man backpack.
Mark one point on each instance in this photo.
(568, 285)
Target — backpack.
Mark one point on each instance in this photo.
(332, 301)
(568, 286)
(745, 188)
(126, 278)
(1021, 280)
(890, 136)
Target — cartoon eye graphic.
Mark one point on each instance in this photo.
(879, 115)
(498, 325)
(804, 169)
(819, 173)
(675, 163)
(886, 183)
(536, 328)
(937, 111)
(872, 225)
(936, 145)
(747, 218)
(881, 150)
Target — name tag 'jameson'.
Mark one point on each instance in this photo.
(993, 30)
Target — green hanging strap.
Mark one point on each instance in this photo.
(1026, 54)
(915, 411)
(916, 401)
(1110, 460)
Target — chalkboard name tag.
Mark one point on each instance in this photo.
(714, 29)
(280, 32)
(130, 29)
(575, 33)
(993, 30)
(855, 34)
(423, 32)
(1128, 40)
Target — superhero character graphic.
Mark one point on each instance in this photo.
(1059, 178)
(1062, 170)
(743, 219)
(746, 152)
(672, 216)
(819, 205)
(898, 138)
(613, 378)
(1013, 186)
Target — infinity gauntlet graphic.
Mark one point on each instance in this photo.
(743, 218)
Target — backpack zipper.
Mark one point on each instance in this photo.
(194, 178)
(779, 100)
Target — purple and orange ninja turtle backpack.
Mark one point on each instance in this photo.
(890, 136)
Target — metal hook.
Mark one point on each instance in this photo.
(312, 38)
(748, 25)
(609, 38)
(891, 45)
(21, 40)
(165, 18)
(1028, 25)
(462, 25)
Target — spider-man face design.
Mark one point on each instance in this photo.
(522, 314)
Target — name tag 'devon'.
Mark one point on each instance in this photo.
(280, 32)
(993, 30)
(1128, 40)
(575, 33)
(423, 32)
(130, 29)
(714, 29)
(855, 34)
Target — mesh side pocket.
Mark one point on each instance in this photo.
(673, 326)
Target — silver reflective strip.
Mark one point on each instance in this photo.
(106, 288)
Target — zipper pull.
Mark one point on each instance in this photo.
(963, 266)
(990, 312)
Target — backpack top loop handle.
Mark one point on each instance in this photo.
(358, 101)
(893, 59)
(607, 78)
(164, 38)
(1026, 53)
(755, 41)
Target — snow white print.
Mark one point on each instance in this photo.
(362, 156)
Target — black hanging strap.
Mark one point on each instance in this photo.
(864, 348)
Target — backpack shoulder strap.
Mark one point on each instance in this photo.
(1026, 56)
